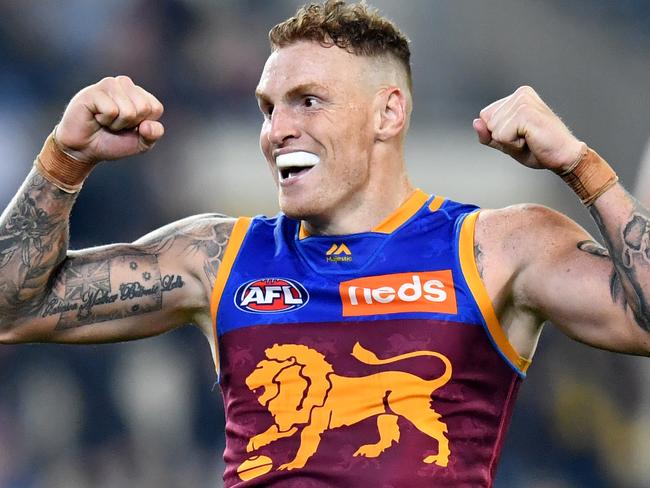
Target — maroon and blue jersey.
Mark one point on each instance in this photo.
(371, 359)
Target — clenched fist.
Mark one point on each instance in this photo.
(524, 127)
(111, 119)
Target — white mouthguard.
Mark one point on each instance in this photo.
(301, 159)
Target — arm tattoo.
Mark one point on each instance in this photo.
(478, 257)
(212, 244)
(593, 248)
(33, 241)
(615, 288)
(39, 279)
(636, 237)
(90, 292)
(630, 253)
(201, 237)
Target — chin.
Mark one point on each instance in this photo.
(297, 210)
(294, 212)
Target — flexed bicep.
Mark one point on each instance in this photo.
(575, 282)
(128, 291)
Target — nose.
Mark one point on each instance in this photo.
(283, 126)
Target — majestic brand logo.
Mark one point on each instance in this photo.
(306, 397)
(271, 295)
(424, 291)
(338, 253)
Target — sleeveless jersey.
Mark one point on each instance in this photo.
(373, 359)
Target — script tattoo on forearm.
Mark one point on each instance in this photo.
(630, 253)
(33, 241)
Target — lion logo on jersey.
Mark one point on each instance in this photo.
(302, 392)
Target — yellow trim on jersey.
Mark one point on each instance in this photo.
(403, 213)
(302, 232)
(436, 203)
(394, 220)
(232, 249)
(473, 278)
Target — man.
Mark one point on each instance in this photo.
(370, 334)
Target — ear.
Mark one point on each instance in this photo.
(391, 113)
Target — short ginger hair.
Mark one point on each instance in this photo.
(355, 27)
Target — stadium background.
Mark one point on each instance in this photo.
(146, 414)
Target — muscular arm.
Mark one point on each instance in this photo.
(625, 226)
(110, 293)
(539, 265)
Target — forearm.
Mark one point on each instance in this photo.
(625, 226)
(33, 243)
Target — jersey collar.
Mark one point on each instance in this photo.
(395, 219)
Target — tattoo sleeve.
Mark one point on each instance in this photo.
(41, 280)
(33, 242)
(628, 242)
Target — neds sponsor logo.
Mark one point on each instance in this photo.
(424, 291)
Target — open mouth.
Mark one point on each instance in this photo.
(293, 164)
(292, 172)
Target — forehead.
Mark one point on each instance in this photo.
(308, 62)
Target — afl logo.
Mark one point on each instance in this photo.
(271, 295)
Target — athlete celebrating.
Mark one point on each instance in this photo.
(370, 334)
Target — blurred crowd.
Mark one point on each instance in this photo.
(148, 414)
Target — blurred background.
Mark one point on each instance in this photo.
(148, 414)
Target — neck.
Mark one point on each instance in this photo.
(372, 208)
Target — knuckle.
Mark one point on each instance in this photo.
(107, 82)
(128, 114)
(142, 110)
(524, 90)
(112, 111)
(124, 79)
(523, 108)
(158, 109)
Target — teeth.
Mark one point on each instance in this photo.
(301, 159)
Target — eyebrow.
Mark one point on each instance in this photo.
(298, 89)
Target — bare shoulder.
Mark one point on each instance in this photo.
(516, 231)
(514, 243)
